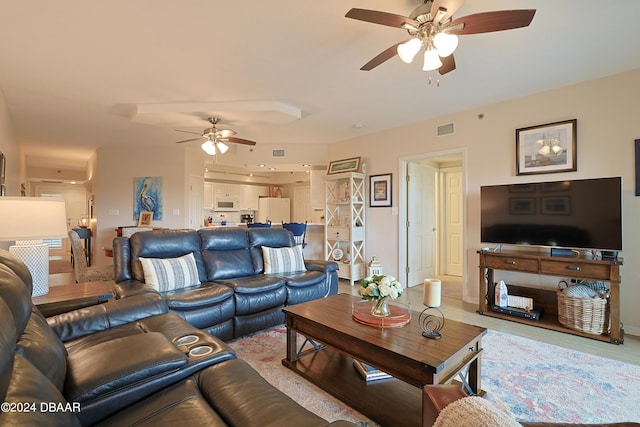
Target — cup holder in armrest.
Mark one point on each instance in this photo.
(201, 350)
(186, 340)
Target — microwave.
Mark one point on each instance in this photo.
(226, 203)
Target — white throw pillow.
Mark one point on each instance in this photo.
(283, 260)
(474, 411)
(170, 273)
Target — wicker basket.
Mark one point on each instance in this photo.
(589, 315)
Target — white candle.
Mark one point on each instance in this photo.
(432, 290)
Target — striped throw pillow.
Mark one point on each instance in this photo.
(283, 260)
(170, 273)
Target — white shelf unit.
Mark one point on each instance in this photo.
(345, 223)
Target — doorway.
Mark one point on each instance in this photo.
(76, 205)
(432, 223)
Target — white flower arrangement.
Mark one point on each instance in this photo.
(378, 287)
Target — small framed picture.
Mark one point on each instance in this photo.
(380, 190)
(548, 148)
(346, 165)
(145, 218)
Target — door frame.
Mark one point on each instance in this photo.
(402, 204)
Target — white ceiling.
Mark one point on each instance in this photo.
(78, 74)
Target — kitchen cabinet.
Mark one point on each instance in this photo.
(249, 196)
(222, 189)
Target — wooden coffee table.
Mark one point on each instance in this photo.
(413, 360)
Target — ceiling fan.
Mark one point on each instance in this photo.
(215, 139)
(432, 28)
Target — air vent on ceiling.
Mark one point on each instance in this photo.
(445, 129)
(278, 153)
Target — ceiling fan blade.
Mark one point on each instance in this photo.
(189, 140)
(237, 140)
(188, 131)
(451, 6)
(382, 57)
(225, 133)
(382, 18)
(487, 22)
(448, 65)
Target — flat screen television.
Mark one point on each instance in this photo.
(576, 214)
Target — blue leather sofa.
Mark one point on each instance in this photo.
(235, 297)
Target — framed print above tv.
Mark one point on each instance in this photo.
(548, 148)
(380, 190)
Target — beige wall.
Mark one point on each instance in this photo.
(117, 166)
(606, 110)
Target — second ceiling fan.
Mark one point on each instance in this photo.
(432, 28)
(215, 139)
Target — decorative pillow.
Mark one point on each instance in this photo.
(283, 260)
(170, 273)
(474, 411)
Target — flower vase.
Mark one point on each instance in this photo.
(380, 308)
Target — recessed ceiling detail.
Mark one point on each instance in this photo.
(191, 114)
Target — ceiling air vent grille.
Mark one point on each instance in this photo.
(278, 153)
(445, 129)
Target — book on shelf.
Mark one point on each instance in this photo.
(368, 372)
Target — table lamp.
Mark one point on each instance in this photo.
(431, 319)
(28, 220)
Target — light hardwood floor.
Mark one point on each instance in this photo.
(454, 308)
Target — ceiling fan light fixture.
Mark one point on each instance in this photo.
(408, 50)
(431, 60)
(445, 43)
(208, 147)
(222, 147)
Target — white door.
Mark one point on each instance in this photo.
(421, 223)
(196, 202)
(453, 222)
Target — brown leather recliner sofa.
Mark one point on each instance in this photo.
(235, 297)
(124, 363)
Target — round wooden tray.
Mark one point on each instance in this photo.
(400, 315)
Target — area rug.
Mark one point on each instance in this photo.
(536, 381)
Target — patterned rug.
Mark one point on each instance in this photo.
(536, 381)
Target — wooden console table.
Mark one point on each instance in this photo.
(63, 298)
(577, 268)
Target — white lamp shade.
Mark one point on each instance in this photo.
(431, 60)
(32, 218)
(222, 147)
(407, 51)
(445, 43)
(208, 147)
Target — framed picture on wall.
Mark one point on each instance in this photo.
(548, 148)
(346, 165)
(380, 190)
(145, 219)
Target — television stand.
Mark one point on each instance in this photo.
(607, 270)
